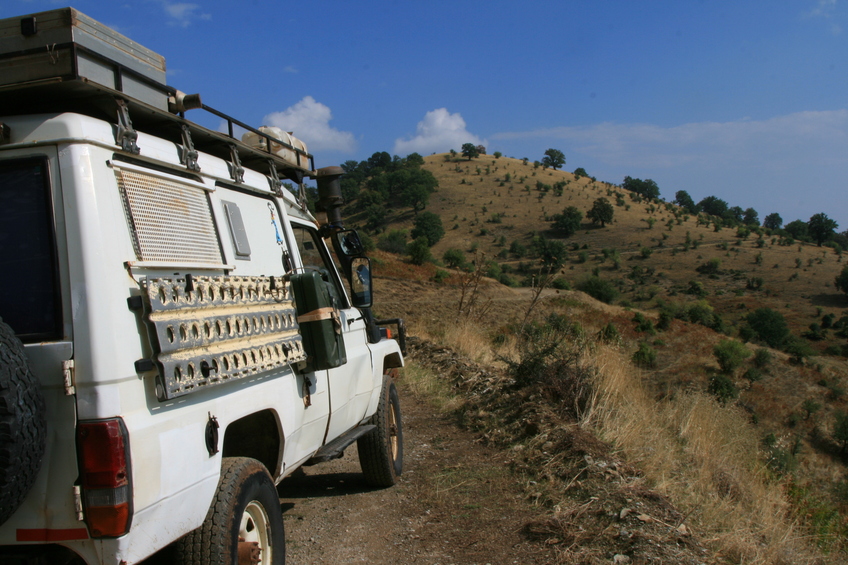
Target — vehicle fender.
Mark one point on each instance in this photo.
(385, 356)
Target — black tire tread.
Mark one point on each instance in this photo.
(378, 468)
(210, 543)
(23, 426)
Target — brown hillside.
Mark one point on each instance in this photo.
(473, 193)
(482, 210)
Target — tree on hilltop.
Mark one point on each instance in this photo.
(554, 158)
(682, 199)
(470, 150)
(773, 221)
(714, 206)
(821, 228)
(647, 188)
(798, 229)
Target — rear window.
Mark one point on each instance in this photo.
(29, 285)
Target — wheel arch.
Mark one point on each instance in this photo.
(257, 436)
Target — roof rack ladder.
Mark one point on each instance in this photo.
(236, 170)
(125, 135)
(188, 155)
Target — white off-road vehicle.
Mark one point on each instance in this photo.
(179, 332)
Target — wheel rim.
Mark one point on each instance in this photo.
(393, 433)
(255, 530)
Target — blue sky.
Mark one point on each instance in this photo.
(744, 100)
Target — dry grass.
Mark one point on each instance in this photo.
(704, 457)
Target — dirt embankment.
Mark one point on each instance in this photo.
(465, 499)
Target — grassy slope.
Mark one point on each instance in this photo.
(685, 360)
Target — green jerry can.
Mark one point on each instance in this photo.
(319, 322)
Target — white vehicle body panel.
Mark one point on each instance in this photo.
(174, 477)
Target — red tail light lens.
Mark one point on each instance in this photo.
(106, 487)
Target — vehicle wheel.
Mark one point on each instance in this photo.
(244, 525)
(381, 450)
(22, 424)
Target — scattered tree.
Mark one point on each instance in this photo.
(551, 252)
(769, 325)
(751, 217)
(842, 280)
(454, 258)
(646, 188)
(470, 150)
(554, 158)
(601, 212)
(714, 206)
(580, 172)
(429, 226)
(569, 221)
(419, 251)
(797, 229)
(821, 228)
(773, 221)
(682, 199)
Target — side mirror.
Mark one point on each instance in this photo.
(360, 282)
(349, 243)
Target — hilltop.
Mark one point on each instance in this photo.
(684, 287)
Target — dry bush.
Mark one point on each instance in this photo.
(703, 456)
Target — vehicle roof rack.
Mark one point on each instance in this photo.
(64, 61)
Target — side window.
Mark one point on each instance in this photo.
(313, 255)
(29, 293)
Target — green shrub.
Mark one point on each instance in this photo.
(798, 349)
(645, 356)
(599, 288)
(752, 374)
(609, 334)
(664, 323)
(762, 357)
(722, 387)
(454, 258)
(393, 242)
(560, 283)
(419, 251)
(441, 276)
(711, 267)
(769, 325)
(643, 324)
(730, 354)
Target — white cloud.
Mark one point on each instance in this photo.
(783, 141)
(825, 9)
(438, 132)
(310, 121)
(182, 14)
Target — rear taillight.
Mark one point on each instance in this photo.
(104, 453)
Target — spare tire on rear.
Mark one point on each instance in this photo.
(22, 424)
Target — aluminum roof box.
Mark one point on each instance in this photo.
(66, 45)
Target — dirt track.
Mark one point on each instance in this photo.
(455, 503)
